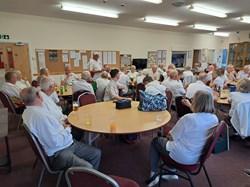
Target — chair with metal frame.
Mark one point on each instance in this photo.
(87, 177)
(194, 169)
(6, 160)
(41, 155)
(7, 103)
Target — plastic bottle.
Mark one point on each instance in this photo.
(61, 89)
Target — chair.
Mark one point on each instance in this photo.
(208, 82)
(6, 160)
(34, 83)
(7, 103)
(194, 169)
(169, 95)
(139, 86)
(41, 155)
(181, 109)
(79, 177)
(86, 99)
(76, 94)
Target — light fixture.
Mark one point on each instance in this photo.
(86, 10)
(204, 27)
(245, 19)
(207, 11)
(153, 1)
(224, 34)
(161, 21)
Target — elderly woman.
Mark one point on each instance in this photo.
(186, 140)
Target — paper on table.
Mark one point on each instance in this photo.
(41, 60)
(76, 63)
(65, 57)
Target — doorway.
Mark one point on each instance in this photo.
(15, 57)
(196, 56)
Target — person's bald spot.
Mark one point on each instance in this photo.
(169, 71)
(173, 74)
(154, 68)
(104, 75)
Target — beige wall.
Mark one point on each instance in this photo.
(241, 36)
(43, 32)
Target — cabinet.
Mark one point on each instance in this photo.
(239, 54)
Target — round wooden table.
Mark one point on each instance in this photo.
(126, 121)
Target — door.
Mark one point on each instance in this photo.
(16, 57)
(196, 57)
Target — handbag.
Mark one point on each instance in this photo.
(150, 102)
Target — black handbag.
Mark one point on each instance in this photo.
(122, 104)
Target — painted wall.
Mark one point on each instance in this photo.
(238, 37)
(51, 33)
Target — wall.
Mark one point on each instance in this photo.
(43, 32)
(241, 36)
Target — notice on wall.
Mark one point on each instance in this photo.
(85, 62)
(105, 57)
(72, 54)
(113, 57)
(65, 57)
(76, 63)
(41, 59)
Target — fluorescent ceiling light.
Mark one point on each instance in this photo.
(160, 21)
(207, 11)
(245, 19)
(86, 10)
(204, 27)
(224, 34)
(153, 1)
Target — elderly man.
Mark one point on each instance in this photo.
(161, 69)
(133, 73)
(9, 87)
(230, 72)
(101, 84)
(95, 66)
(68, 78)
(153, 87)
(83, 84)
(125, 81)
(210, 70)
(21, 82)
(62, 151)
(111, 91)
(154, 73)
(174, 85)
(243, 73)
(199, 85)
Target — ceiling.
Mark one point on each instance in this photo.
(134, 11)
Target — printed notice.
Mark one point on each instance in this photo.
(41, 60)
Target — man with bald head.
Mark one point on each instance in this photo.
(56, 139)
(154, 73)
(199, 85)
(101, 84)
(83, 84)
(174, 85)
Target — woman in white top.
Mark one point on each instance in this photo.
(217, 81)
(187, 139)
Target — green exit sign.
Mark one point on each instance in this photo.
(4, 36)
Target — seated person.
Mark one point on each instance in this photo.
(44, 72)
(125, 81)
(199, 85)
(230, 73)
(141, 76)
(68, 78)
(197, 67)
(217, 82)
(153, 87)
(243, 73)
(12, 91)
(112, 89)
(133, 73)
(62, 151)
(101, 84)
(186, 141)
(21, 82)
(154, 73)
(209, 71)
(187, 71)
(171, 66)
(174, 85)
(242, 94)
(161, 69)
(83, 84)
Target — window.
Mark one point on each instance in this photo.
(179, 58)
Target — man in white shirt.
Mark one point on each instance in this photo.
(174, 85)
(154, 73)
(141, 76)
(83, 84)
(243, 73)
(210, 70)
(153, 87)
(133, 73)
(217, 81)
(111, 91)
(187, 71)
(21, 82)
(68, 78)
(56, 139)
(125, 81)
(199, 85)
(95, 66)
(230, 72)
(161, 69)
(101, 84)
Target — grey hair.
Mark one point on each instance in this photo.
(202, 76)
(43, 71)
(45, 83)
(86, 75)
(17, 72)
(243, 86)
(104, 74)
(202, 102)
(29, 95)
(187, 68)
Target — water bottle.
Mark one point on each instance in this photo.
(61, 89)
